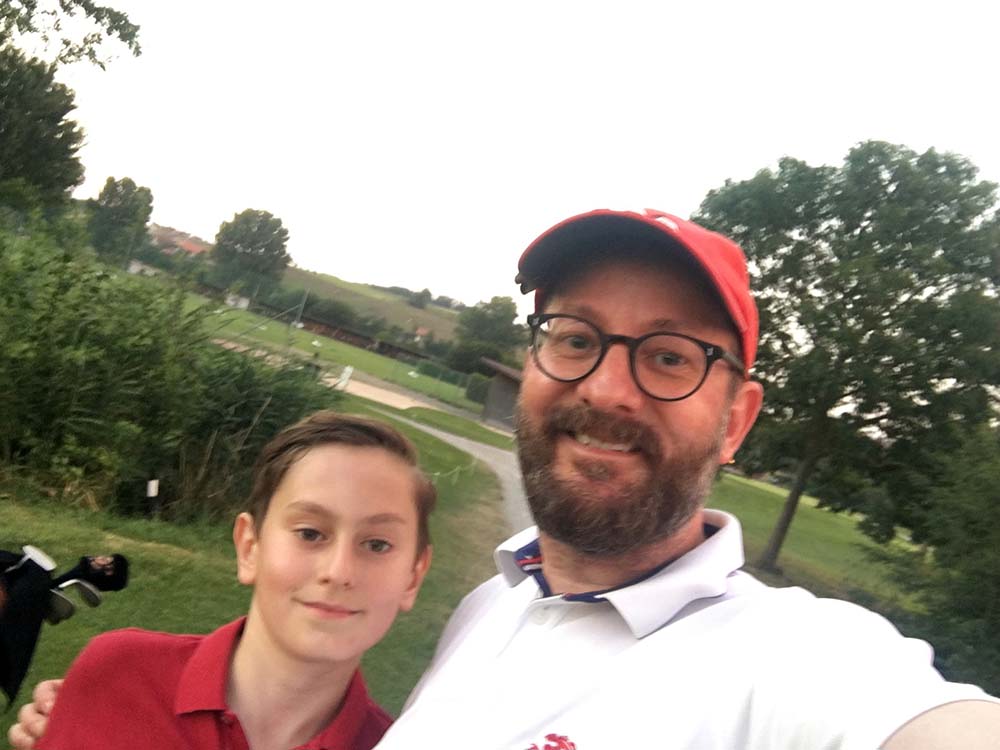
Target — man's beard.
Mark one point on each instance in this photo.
(633, 514)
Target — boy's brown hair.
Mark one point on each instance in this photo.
(332, 428)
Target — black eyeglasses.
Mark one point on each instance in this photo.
(666, 366)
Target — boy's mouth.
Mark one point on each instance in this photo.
(330, 610)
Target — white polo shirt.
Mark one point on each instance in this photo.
(696, 656)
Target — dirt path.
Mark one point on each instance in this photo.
(384, 396)
(503, 463)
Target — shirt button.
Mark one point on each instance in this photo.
(227, 720)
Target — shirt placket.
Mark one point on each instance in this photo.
(231, 732)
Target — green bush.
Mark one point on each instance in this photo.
(107, 381)
(440, 372)
(478, 387)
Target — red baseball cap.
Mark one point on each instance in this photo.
(722, 260)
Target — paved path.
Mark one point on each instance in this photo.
(502, 462)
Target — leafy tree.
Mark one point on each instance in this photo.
(331, 311)
(252, 247)
(488, 330)
(50, 21)
(962, 589)
(38, 143)
(466, 356)
(119, 219)
(421, 299)
(879, 319)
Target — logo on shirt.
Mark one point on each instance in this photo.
(553, 742)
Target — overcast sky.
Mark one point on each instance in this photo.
(424, 144)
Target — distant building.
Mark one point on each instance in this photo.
(171, 241)
(501, 398)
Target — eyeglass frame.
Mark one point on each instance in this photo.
(713, 352)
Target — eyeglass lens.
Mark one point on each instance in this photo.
(665, 365)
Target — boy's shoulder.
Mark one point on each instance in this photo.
(139, 647)
(129, 654)
(140, 640)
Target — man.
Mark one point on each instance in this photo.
(623, 619)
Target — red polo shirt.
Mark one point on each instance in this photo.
(135, 688)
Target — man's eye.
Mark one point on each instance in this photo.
(308, 535)
(573, 342)
(668, 359)
(378, 546)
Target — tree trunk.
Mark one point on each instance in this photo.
(769, 559)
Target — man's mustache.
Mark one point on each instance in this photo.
(609, 428)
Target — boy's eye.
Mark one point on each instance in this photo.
(377, 545)
(308, 535)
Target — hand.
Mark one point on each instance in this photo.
(34, 717)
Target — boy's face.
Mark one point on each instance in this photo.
(335, 558)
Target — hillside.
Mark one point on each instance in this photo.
(367, 300)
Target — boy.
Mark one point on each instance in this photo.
(335, 544)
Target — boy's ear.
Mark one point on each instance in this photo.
(420, 567)
(245, 541)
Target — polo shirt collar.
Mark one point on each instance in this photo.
(202, 687)
(653, 601)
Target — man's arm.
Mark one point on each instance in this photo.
(963, 725)
(34, 717)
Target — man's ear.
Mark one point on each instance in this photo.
(743, 413)
(420, 567)
(245, 541)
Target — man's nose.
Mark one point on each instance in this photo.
(611, 386)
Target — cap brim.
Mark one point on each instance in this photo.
(587, 237)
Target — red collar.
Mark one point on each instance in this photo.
(202, 687)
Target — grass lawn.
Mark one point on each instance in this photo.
(183, 576)
(255, 330)
(367, 300)
(823, 552)
(460, 426)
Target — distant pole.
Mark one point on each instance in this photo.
(298, 319)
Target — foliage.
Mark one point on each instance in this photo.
(467, 356)
(478, 388)
(485, 330)
(38, 143)
(879, 319)
(421, 299)
(119, 219)
(436, 347)
(252, 247)
(956, 576)
(107, 381)
(50, 22)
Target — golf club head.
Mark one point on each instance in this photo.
(60, 608)
(103, 572)
(86, 591)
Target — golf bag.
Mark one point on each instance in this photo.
(30, 594)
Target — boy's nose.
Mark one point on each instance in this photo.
(338, 566)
